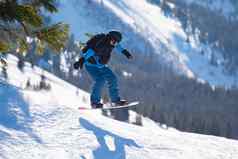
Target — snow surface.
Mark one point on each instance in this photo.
(224, 7)
(47, 124)
(165, 34)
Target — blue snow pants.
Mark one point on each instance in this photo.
(100, 77)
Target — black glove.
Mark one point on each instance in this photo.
(79, 63)
(127, 54)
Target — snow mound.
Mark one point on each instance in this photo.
(47, 124)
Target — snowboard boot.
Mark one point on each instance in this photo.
(120, 103)
(96, 105)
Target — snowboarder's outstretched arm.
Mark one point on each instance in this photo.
(120, 49)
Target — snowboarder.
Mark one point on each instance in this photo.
(95, 56)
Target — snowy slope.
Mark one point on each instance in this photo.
(138, 19)
(47, 124)
(224, 7)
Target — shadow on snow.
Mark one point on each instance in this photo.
(103, 151)
(14, 113)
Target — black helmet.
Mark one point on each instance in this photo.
(116, 35)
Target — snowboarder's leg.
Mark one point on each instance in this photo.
(99, 82)
(112, 82)
(96, 90)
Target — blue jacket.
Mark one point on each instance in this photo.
(91, 53)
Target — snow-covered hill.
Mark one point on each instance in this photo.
(227, 8)
(47, 124)
(146, 28)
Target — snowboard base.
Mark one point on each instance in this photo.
(109, 107)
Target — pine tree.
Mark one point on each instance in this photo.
(23, 20)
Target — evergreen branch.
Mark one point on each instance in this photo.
(27, 14)
(25, 28)
(23, 46)
(30, 24)
(55, 36)
(4, 46)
